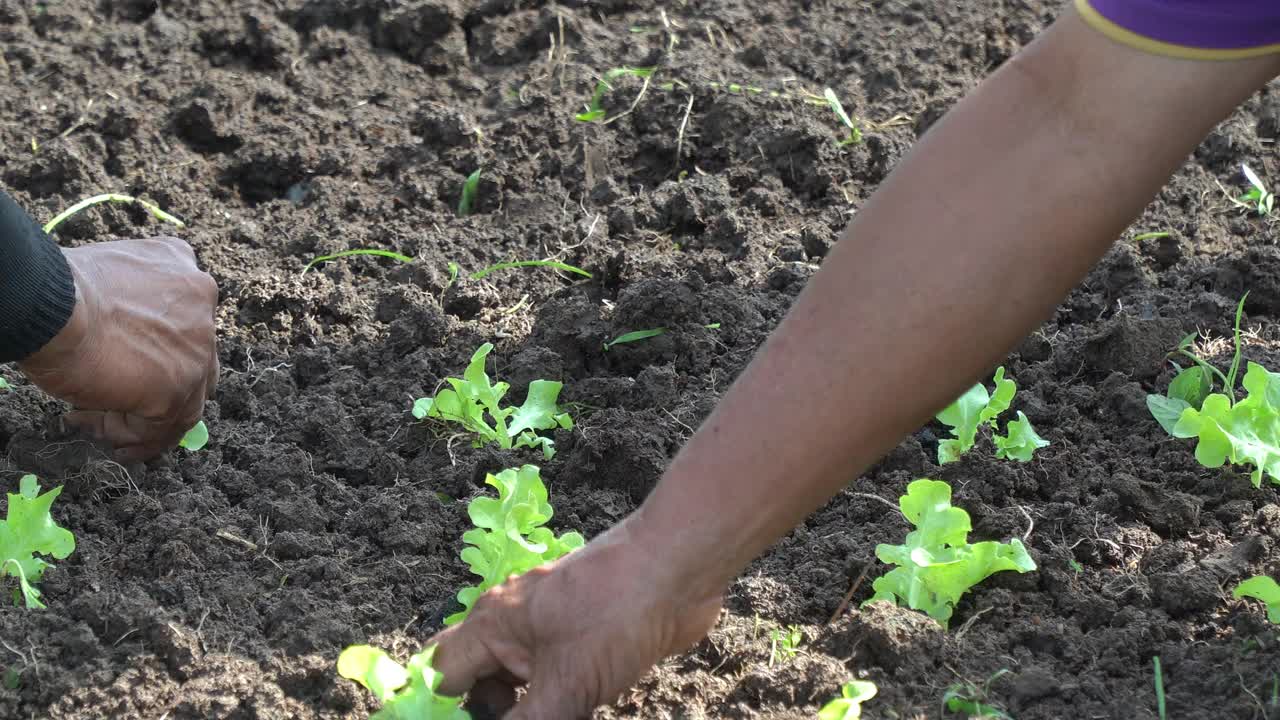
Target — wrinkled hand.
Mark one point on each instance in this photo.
(138, 356)
(579, 632)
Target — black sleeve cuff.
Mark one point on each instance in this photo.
(37, 291)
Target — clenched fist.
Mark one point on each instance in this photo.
(138, 357)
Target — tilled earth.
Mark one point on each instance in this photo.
(223, 584)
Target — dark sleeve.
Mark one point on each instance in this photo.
(37, 292)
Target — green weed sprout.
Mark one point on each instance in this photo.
(352, 253)
(405, 693)
(849, 705)
(115, 198)
(784, 644)
(196, 438)
(937, 564)
(977, 407)
(470, 189)
(4, 384)
(509, 537)
(1192, 385)
(1158, 674)
(473, 395)
(1258, 198)
(595, 109)
(966, 697)
(1265, 589)
(530, 263)
(855, 135)
(633, 336)
(29, 531)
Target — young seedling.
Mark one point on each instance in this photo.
(595, 109)
(196, 438)
(1265, 589)
(1192, 385)
(937, 564)
(976, 408)
(1243, 432)
(28, 531)
(406, 693)
(110, 197)
(855, 135)
(633, 336)
(784, 644)
(4, 384)
(353, 253)
(973, 701)
(470, 189)
(530, 263)
(473, 398)
(1258, 198)
(1158, 673)
(849, 705)
(509, 537)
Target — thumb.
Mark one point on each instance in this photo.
(549, 699)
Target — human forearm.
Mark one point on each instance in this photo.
(992, 218)
(37, 294)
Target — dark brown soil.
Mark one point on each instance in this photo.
(222, 584)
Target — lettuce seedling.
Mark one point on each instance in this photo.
(474, 397)
(849, 705)
(1192, 385)
(1244, 432)
(1265, 589)
(976, 408)
(29, 531)
(196, 438)
(1020, 440)
(1258, 198)
(405, 693)
(4, 384)
(937, 565)
(509, 537)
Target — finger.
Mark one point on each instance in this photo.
(181, 246)
(463, 657)
(491, 697)
(117, 428)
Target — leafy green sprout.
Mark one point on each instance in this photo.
(196, 438)
(509, 537)
(595, 109)
(784, 644)
(113, 198)
(29, 531)
(937, 565)
(849, 705)
(975, 408)
(12, 679)
(4, 384)
(1158, 674)
(470, 191)
(855, 135)
(1192, 385)
(406, 693)
(355, 253)
(473, 401)
(1258, 197)
(1265, 589)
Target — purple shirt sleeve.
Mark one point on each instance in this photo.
(1232, 27)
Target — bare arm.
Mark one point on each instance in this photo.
(972, 241)
(968, 245)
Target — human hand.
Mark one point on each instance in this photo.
(578, 631)
(138, 356)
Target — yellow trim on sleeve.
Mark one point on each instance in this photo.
(1146, 44)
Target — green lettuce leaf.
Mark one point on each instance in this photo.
(1247, 432)
(28, 531)
(509, 537)
(849, 705)
(1265, 589)
(963, 416)
(937, 565)
(405, 693)
(1020, 441)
